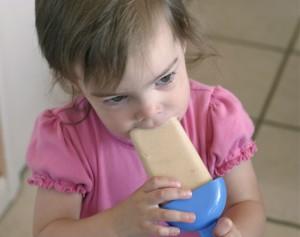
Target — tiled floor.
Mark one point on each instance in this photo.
(260, 47)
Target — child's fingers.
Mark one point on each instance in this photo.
(224, 226)
(160, 182)
(164, 189)
(158, 230)
(172, 216)
(163, 195)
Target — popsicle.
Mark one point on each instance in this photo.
(167, 151)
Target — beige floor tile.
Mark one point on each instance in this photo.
(269, 22)
(247, 72)
(17, 221)
(274, 230)
(277, 167)
(285, 106)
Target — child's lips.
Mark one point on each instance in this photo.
(149, 124)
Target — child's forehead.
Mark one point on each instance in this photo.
(146, 57)
(162, 60)
(156, 50)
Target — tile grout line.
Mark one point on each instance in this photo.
(283, 223)
(282, 125)
(247, 43)
(277, 79)
(278, 124)
(251, 44)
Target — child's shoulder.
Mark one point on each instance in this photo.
(212, 95)
(69, 113)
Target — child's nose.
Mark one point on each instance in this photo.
(148, 110)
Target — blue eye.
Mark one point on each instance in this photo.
(166, 79)
(116, 99)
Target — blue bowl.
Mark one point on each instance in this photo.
(207, 202)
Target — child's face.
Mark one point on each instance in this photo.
(150, 93)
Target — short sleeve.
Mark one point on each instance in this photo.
(55, 156)
(229, 133)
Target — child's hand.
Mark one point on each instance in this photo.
(226, 228)
(139, 215)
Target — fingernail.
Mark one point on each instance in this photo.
(191, 217)
(188, 193)
(177, 184)
(175, 231)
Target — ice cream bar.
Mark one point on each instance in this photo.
(168, 151)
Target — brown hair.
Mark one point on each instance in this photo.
(97, 34)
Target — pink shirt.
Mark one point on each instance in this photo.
(72, 152)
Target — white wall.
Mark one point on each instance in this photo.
(24, 85)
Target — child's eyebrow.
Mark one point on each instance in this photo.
(165, 71)
(104, 94)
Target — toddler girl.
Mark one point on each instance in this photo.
(124, 63)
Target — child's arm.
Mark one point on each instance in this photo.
(244, 213)
(57, 214)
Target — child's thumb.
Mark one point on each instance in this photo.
(224, 225)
